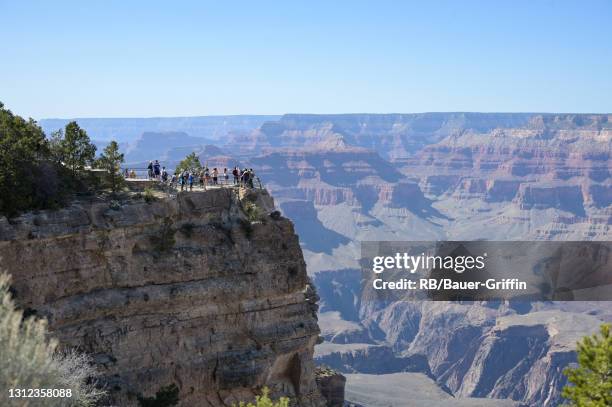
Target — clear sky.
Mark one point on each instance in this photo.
(128, 58)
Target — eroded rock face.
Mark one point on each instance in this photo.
(186, 290)
(331, 384)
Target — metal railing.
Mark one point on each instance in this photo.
(199, 183)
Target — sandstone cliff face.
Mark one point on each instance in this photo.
(184, 290)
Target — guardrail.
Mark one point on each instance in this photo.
(143, 173)
(175, 185)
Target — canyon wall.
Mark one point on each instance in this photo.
(188, 290)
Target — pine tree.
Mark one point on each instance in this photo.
(111, 160)
(22, 147)
(592, 379)
(190, 163)
(77, 151)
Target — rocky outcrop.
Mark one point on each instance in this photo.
(565, 197)
(206, 291)
(331, 384)
(487, 350)
(372, 359)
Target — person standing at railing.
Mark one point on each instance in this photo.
(236, 174)
(225, 176)
(244, 178)
(156, 171)
(215, 176)
(190, 180)
(251, 177)
(184, 176)
(164, 175)
(206, 177)
(150, 170)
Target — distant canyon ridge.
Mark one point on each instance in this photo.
(344, 179)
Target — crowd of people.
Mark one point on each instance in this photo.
(185, 179)
(207, 177)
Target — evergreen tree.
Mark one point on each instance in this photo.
(56, 147)
(190, 163)
(37, 173)
(111, 160)
(22, 148)
(76, 150)
(592, 379)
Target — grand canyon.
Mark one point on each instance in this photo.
(344, 179)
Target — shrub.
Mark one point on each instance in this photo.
(148, 195)
(165, 397)
(265, 401)
(30, 361)
(252, 211)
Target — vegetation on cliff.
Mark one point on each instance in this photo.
(30, 177)
(190, 163)
(44, 173)
(28, 360)
(265, 401)
(72, 148)
(111, 160)
(592, 379)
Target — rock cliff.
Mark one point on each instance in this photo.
(206, 290)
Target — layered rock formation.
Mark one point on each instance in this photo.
(188, 290)
(331, 384)
(438, 176)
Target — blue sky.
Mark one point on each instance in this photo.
(181, 58)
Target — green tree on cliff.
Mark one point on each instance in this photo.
(592, 379)
(111, 160)
(28, 178)
(73, 148)
(190, 163)
(36, 173)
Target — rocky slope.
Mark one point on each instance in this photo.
(186, 290)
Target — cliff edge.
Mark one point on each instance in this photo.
(205, 290)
